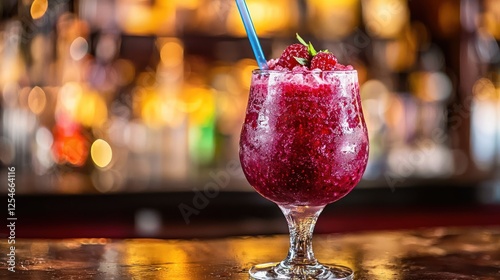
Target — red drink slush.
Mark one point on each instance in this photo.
(304, 140)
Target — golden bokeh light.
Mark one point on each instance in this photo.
(37, 100)
(385, 18)
(91, 110)
(491, 17)
(101, 153)
(199, 103)
(192, 98)
(39, 8)
(142, 18)
(151, 110)
(140, 23)
(333, 19)
(172, 52)
(157, 110)
(69, 95)
(268, 17)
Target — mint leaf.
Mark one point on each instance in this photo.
(311, 49)
(301, 40)
(302, 61)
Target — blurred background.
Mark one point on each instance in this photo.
(120, 115)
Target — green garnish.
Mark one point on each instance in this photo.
(301, 40)
(310, 48)
(302, 61)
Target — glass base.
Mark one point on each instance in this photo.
(269, 271)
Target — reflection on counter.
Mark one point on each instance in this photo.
(110, 96)
(437, 253)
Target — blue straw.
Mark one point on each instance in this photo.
(252, 35)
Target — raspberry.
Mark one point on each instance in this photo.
(343, 67)
(324, 61)
(287, 58)
(272, 63)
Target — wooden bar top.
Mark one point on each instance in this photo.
(431, 254)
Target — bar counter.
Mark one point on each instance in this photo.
(432, 254)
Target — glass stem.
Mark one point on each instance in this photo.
(301, 221)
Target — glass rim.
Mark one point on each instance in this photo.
(261, 71)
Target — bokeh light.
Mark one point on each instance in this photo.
(70, 146)
(78, 48)
(91, 110)
(43, 155)
(37, 100)
(69, 95)
(385, 18)
(172, 53)
(334, 19)
(39, 8)
(268, 17)
(165, 83)
(44, 138)
(101, 153)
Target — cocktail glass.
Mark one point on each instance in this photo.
(304, 144)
